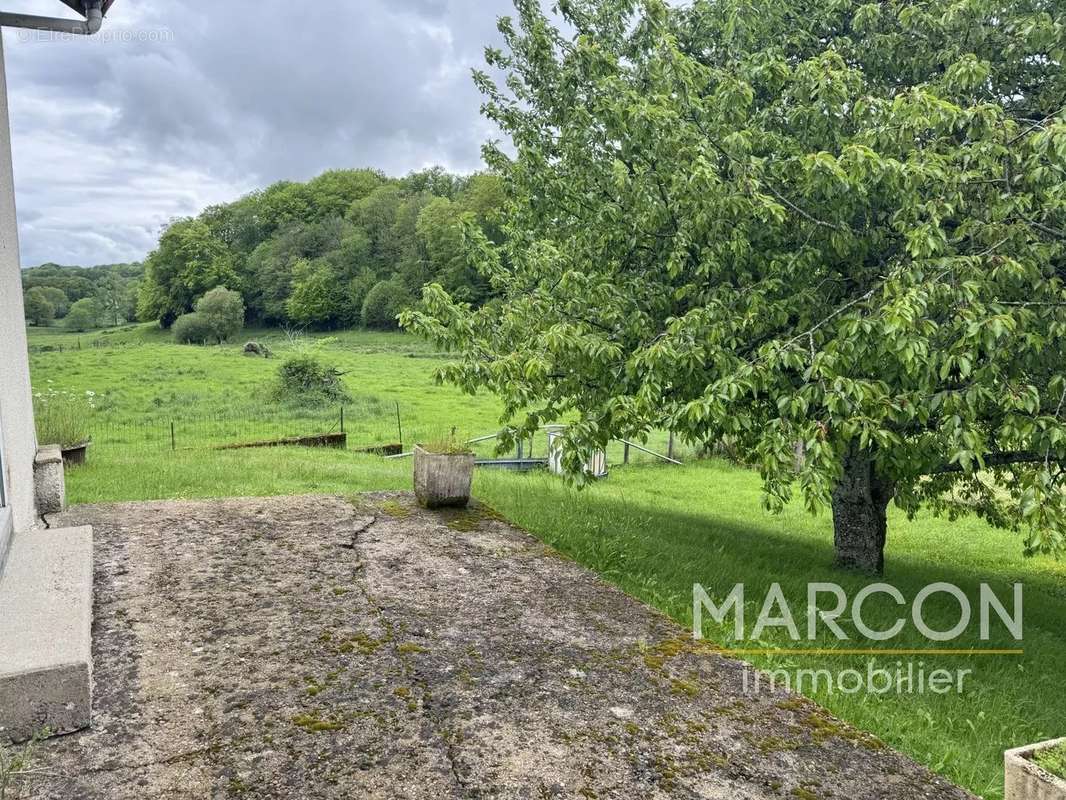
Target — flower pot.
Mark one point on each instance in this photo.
(1025, 780)
(443, 480)
(75, 454)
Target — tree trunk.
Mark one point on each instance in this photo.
(860, 503)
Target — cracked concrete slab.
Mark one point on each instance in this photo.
(308, 647)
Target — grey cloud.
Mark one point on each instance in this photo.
(191, 104)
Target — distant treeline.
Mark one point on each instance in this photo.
(81, 298)
(348, 248)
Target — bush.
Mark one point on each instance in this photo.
(383, 303)
(84, 315)
(193, 328)
(303, 378)
(223, 311)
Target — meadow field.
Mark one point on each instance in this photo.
(162, 410)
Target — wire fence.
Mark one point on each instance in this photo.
(83, 343)
(375, 427)
(367, 426)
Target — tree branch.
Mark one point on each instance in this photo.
(1003, 459)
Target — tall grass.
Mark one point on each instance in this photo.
(63, 417)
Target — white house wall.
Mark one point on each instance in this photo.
(16, 401)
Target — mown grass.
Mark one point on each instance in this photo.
(654, 531)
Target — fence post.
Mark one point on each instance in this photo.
(173, 439)
(342, 417)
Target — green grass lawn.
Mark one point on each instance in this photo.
(144, 383)
(652, 530)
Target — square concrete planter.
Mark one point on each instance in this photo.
(76, 454)
(443, 480)
(1024, 780)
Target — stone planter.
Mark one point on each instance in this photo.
(76, 454)
(443, 480)
(1027, 781)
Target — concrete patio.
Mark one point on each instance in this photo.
(313, 647)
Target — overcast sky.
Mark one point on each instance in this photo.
(181, 104)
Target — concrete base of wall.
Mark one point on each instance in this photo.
(49, 481)
(45, 629)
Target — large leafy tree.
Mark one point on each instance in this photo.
(271, 264)
(111, 294)
(189, 261)
(317, 297)
(222, 310)
(376, 214)
(58, 299)
(825, 222)
(39, 310)
(440, 236)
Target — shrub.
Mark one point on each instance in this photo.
(84, 315)
(193, 328)
(303, 378)
(62, 417)
(382, 305)
(223, 311)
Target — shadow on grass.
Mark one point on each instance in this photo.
(689, 548)
(656, 553)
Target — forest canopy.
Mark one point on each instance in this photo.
(101, 296)
(311, 254)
